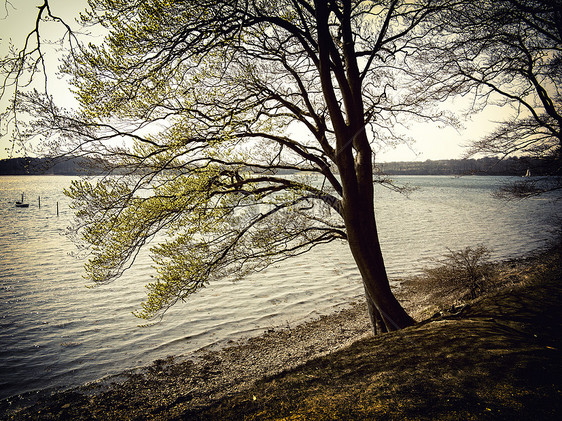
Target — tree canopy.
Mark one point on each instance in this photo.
(240, 133)
(510, 52)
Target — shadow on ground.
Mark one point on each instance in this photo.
(499, 358)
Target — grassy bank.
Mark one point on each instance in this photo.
(496, 356)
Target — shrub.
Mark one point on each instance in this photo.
(466, 268)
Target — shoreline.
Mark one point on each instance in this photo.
(216, 368)
(208, 376)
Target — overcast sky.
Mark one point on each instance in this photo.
(431, 142)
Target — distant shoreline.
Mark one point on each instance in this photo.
(47, 166)
(517, 166)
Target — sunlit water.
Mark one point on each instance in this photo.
(55, 332)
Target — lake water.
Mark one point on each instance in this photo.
(55, 332)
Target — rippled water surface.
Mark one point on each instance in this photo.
(55, 332)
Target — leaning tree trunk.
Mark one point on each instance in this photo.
(354, 161)
(362, 235)
(386, 312)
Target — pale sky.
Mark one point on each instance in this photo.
(431, 142)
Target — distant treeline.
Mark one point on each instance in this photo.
(483, 166)
(46, 166)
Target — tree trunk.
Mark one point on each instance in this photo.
(385, 310)
(354, 162)
(359, 216)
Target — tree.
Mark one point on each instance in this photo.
(510, 52)
(238, 133)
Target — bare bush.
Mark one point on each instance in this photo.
(467, 269)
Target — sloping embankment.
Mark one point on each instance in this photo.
(499, 358)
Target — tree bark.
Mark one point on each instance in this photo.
(377, 323)
(385, 310)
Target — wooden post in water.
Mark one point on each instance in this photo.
(57, 208)
(39, 200)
